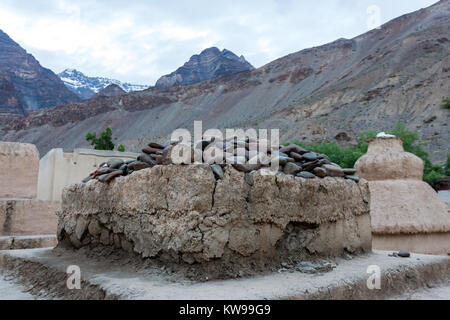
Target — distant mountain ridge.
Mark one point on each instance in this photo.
(86, 87)
(397, 73)
(25, 84)
(113, 90)
(211, 63)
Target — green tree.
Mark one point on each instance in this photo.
(446, 103)
(121, 148)
(104, 142)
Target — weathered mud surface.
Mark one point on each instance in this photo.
(182, 215)
(42, 272)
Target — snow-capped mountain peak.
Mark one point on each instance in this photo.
(86, 87)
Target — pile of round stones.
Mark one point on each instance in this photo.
(241, 154)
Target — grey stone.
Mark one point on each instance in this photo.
(320, 172)
(104, 237)
(404, 254)
(333, 171)
(293, 148)
(149, 150)
(217, 170)
(102, 177)
(138, 165)
(81, 227)
(353, 177)
(155, 145)
(127, 245)
(75, 242)
(94, 228)
(236, 160)
(117, 242)
(349, 172)
(87, 179)
(147, 159)
(296, 156)
(104, 171)
(203, 144)
(291, 168)
(111, 176)
(315, 267)
(241, 167)
(124, 168)
(115, 163)
(283, 160)
(309, 166)
(310, 156)
(306, 175)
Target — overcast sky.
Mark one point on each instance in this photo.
(138, 41)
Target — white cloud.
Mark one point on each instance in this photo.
(138, 41)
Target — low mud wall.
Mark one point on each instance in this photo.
(24, 217)
(184, 214)
(19, 167)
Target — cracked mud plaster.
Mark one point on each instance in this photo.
(182, 214)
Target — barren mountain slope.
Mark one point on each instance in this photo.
(400, 72)
(34, 86)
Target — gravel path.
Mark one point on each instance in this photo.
(438, 293)
(11, 291)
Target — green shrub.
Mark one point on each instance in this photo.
(121, 148)
(104, 142)
(346, 157)
(343, 156)
(447, 166)
(433, 173)
(446, 103)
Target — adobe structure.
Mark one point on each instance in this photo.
(25, 222)
(58, 169)
(220, 217)
(152, 229)
(406, 213)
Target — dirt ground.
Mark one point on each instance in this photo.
(10, 290)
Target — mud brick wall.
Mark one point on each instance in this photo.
(184, 214)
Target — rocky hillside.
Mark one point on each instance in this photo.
(86, 87)
(25, 84)
(400, 72)
(209, 64)
(10, 105)
(113, 90)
